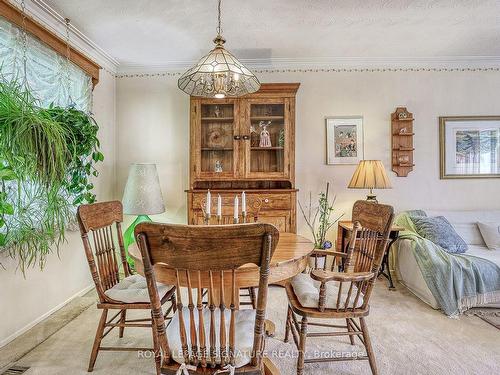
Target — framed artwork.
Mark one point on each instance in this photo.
(469, 147)
(344, 140)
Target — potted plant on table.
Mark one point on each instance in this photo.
(320, 218)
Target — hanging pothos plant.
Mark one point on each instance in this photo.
(47, 158)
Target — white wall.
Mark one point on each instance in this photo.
(153, 125)
(25, 301)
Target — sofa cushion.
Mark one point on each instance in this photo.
(491, 234)
(438, 230)
(134, 289)
(485, 253)
(307, 291)
(244, 332)
(469, 232)
(465, 222)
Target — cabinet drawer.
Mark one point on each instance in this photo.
(270, 201)
(199, 200)
(275, 201)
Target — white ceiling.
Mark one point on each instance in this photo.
(149, 33)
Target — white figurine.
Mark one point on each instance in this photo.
(265, 138)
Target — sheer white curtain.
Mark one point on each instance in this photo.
(50, 77)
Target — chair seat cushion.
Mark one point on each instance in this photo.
(307, 291)
(134, 289)
(244, 332)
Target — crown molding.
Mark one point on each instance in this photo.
(55, 22)
(334, 64)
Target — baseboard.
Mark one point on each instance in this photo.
(44, 316)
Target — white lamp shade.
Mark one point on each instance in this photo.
(142, 195)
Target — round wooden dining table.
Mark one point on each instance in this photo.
(289, 259)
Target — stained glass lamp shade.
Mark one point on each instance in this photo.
(218, 74)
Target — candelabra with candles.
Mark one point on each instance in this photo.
(236, 208)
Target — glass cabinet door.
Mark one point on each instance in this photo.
(267, 146)
(218, 149)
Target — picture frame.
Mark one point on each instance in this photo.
(344, 140)
(469, 147)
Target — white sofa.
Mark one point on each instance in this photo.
(465, 223)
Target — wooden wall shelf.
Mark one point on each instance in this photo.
(265, 118)
(402, 142)
(217, 119)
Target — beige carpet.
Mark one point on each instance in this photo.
(408, 337)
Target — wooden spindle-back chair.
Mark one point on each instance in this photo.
(342, 295)
(207, 258)
(254, 205)
(100, 229)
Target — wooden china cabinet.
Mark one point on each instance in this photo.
(245, 144)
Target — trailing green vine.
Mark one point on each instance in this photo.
(47, 160)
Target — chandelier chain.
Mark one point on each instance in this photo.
(219, 27)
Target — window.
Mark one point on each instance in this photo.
(48, 72)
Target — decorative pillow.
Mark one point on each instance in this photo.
(491, 234)
(438, 230)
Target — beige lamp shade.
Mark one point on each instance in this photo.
(142, 195)
(370, 174)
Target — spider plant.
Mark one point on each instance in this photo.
(28, 134)
(47, 158)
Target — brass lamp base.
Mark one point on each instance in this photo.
(372, 198)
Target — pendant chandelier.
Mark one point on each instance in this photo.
(218, 74)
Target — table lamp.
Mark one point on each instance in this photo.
(142, 197)
(370, 174)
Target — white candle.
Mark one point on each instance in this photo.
(219, 205)
(207, 206)
(243, 202)
(236, 211)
